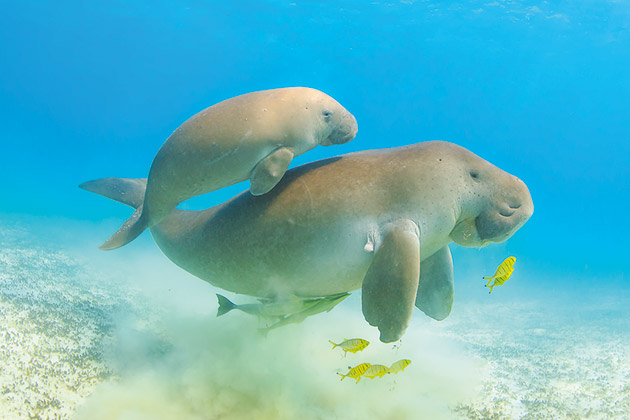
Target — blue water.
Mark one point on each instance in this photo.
(540, 89)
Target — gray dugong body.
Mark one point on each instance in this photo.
(366, 220)
(253, 136)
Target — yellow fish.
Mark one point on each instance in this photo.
(503, 273)
(356, 372)
(399, 366)
(352, 345)
(376, 370)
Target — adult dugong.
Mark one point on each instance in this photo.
(253, 136)
(378, 220)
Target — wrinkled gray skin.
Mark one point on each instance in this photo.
(378, 220)
(253, 136)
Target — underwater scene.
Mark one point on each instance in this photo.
(282, 210)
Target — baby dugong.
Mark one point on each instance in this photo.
(253, 136)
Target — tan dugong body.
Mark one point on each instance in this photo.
(253, 136)
(367, 220)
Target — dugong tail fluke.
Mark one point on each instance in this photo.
(124, 190)
(130, 230)
(127, 191)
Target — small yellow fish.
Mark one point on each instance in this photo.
(503, 273)
(352, 345)
(376, 370)
(356, 372)
(399, 366)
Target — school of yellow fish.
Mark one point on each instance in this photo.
(372, 371)
(354, 345)
(503, 273)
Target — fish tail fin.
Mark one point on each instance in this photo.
(127, 191)
(225, 305)
(334, 345)
(342, 376)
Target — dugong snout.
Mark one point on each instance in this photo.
(344, 131)
(510, 211)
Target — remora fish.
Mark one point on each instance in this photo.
(325, 304)
(267, 308)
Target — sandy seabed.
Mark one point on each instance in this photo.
(81, 342)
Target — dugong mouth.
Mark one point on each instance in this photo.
(493, 225)
(345, 131)
(465, 233)
(500, 223)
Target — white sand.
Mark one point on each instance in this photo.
(54, 319)
(546, 363)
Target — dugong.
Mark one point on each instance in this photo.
(253, 136)
(377, 220)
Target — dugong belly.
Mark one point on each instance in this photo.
(277, 259)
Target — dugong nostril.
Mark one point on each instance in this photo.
(506, 213)
(514, 207)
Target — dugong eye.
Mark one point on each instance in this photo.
(327, 114)
(474, 175)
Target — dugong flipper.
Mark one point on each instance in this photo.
(391, 283)
(253, 136)
(268, 172)
(435, 291)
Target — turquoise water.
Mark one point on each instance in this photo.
(92, 90)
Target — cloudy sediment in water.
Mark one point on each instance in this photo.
(142, 351)
(78, 342)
